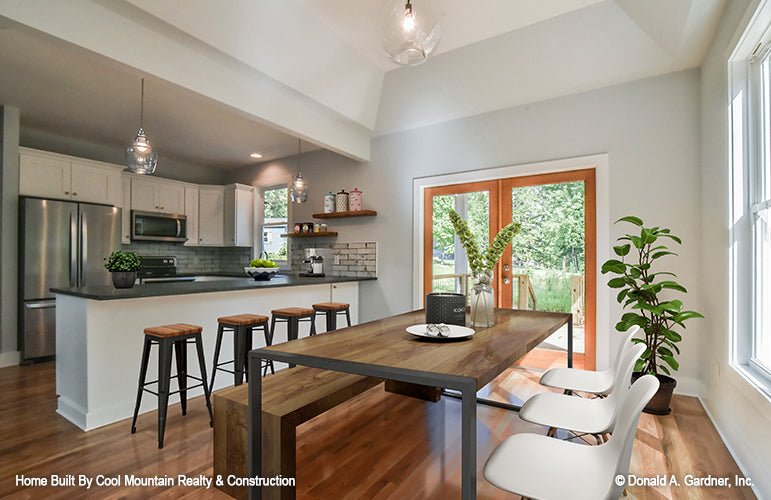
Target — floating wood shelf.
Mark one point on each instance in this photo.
(337, 215)
(309, 235)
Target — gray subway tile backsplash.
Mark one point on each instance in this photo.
(349, 259)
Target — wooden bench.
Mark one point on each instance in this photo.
(290, 397)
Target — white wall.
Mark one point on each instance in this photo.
(649, 128)
(740, 412)
(9, 201)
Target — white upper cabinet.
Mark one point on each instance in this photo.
(51, 175)
(211, 215)
(239, 215)
(156, 195)
(191, 211)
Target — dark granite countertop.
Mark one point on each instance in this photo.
(187, 287)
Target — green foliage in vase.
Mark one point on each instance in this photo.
(122, 261)
(487, 260)
(641, 290)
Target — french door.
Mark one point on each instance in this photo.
(539, 202)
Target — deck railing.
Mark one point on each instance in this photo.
(459, 283)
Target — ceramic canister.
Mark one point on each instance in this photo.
(342, 201)
(329, 202)
(355, 200)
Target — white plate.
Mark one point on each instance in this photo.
(456, 332)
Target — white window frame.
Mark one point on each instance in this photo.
(284, 265)
(748, 163)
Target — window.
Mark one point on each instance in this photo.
(275, 209)
(750, 230)
(760, 210)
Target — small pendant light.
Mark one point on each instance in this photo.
(140, 156)
(299, 190)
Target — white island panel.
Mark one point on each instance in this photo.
(99, 342)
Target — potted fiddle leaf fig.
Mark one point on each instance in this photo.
(646, 293)
(124, 267)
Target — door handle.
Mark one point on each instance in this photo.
(506, 267)
(73, 250)
(506, 281)
(83, 248)
(40, 305)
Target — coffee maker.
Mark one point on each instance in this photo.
(315, 262)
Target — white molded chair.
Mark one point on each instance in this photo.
(527, 464)
(600, 383)
(591, 416)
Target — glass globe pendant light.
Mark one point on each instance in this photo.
(298, 193)
(410, 35)
(140, 156)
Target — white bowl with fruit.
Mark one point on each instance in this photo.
(261, 269)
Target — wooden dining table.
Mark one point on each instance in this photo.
(384, 349)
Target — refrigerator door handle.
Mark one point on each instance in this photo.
(40, 305)
(83, 248)
(73, 250)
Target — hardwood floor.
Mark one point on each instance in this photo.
(377, 445)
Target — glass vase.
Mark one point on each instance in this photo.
(482, 299)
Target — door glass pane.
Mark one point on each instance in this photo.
(450, 265)
(549, 250)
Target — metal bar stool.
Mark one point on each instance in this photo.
(292, 316)
(330, 310)
(241, 325)
(177, 335)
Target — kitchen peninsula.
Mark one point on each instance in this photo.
(99, 333)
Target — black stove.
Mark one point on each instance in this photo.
(160, 270)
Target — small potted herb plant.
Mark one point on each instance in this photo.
(124, 267)
(646, 292)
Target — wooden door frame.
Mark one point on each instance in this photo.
(493, 187)
(587, 176)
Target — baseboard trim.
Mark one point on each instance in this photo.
(728, 445)
(12, 358)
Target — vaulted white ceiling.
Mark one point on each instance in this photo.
(234, 76)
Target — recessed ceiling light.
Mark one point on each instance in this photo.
(256, 156)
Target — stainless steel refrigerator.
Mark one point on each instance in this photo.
(61, 244)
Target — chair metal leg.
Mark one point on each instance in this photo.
(348, 316)
(313, 323)
(164, 376)
(239, 353)
(268, 341)
(180, 348)
(220, 328)
(202, 366)
(331, 320)
(142, 376)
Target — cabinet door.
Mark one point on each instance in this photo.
(211, 216)
(171, 198)
(143, 195)
(244, 220)
(125, 222)
(96, 184)
(191, 211)
(44, 177)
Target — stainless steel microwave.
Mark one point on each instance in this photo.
(150, 226)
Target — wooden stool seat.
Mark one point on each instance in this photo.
(243, 319)
(292, 312)
(331, 306)
(175, 330)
